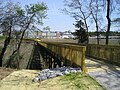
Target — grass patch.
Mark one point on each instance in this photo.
(1, 48)
(2, 37)
(22, 80)
(81, 81)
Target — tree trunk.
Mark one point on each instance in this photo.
(24, 32)
(85, 21)
(87, 31)
(19, 44)
(109, 22)
(6, 43)
(97, 33)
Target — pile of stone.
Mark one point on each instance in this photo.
(50, 73)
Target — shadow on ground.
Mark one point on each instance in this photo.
(35, 59)
(108, 75)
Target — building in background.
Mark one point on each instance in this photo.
(49, 34)
(67, 35)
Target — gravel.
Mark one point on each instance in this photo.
(50, 73)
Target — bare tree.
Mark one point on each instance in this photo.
(33, 13)
(110, 7)
(95, 9)
(24, 18)
(109, 21)
(78, 9)
(7, 14)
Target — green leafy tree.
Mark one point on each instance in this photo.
(46, 28)
(81, 32)
(22, 20)
(7, 14)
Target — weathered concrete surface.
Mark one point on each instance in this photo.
(108, 75)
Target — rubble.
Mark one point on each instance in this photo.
(50, 73)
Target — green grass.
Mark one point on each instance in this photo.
(0, 48)
(2, 37)
(102, 41)
(81, 81)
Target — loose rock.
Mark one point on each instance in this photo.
(50, 73)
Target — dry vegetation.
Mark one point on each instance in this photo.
(5, 72)
(22, 80)
(25, 53)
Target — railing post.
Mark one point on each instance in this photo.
(60, 51)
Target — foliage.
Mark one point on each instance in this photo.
(80, 32)
(2, 37)
(78, 10)
(94, 11)
(15, 21)
(46, 28)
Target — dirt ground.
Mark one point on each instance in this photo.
(5, 72)
(25, 54)
(22, 80)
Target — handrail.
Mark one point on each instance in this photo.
(74, 53)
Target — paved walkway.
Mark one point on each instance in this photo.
(107, 75)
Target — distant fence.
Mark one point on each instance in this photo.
(73, 53)
(109, 53)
